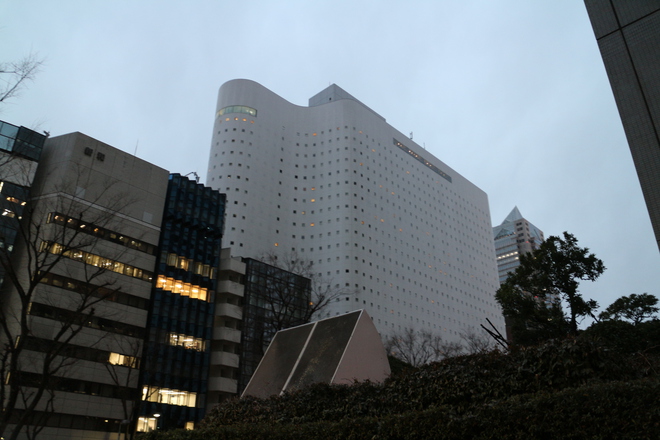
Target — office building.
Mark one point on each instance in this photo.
(254, 301)
(514, 237)
(82, 278)
(628, 35)
(177, 353)
(398, 231)
(275, 299)
(132, 309)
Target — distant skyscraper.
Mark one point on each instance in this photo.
(515, 236)
(401, 233)
(628, 34)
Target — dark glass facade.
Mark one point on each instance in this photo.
(177, 350)
(21, 141)
(16, 144)
(274, 299)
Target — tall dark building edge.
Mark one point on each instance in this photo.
(177, 354)
(20, 150)
(628, 35)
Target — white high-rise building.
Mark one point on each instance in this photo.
(408, 237)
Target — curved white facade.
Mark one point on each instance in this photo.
(409, 237)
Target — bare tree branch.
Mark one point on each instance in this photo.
(55, 242)
(322, 291)
(124, 373)
(15, 75)
(476, 342)
(420, 347)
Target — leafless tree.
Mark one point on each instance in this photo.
(35, 355)
(14, 75)
(451, 349)
(420, 347)
(124, 372)
(322, 291)
(475, 341)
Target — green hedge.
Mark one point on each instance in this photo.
(460, 381)
(574, 388)
(599, 411)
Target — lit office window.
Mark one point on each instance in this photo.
(183, 289)
(185, 341)
(168, 396)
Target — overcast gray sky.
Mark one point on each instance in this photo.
(511, 94)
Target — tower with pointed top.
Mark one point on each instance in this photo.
(515, 236)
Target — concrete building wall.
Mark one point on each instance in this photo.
(224, 370)
(103, 208)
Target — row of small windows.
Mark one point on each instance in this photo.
(183, 289)
(96, 291)
(97, 261)
(147, 424)
(188, 264)
(237, 109)
(97, 231)
(416, 156)
(84, 319)
(81, 352)
(78, 386)
(449, 207)
(69, 421)
(422, 160)
(467, 284)
(462, 216)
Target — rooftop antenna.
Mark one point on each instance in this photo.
(136, 145)
(411, 135)
(194, 173)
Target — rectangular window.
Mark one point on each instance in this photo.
(184, 289)
(188, 264)
(187, 342)
(169, 396)
(123, 360)
(97, 231)
(96, 261)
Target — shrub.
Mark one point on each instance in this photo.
(596, 411)
(534, 392)
(461, 381)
